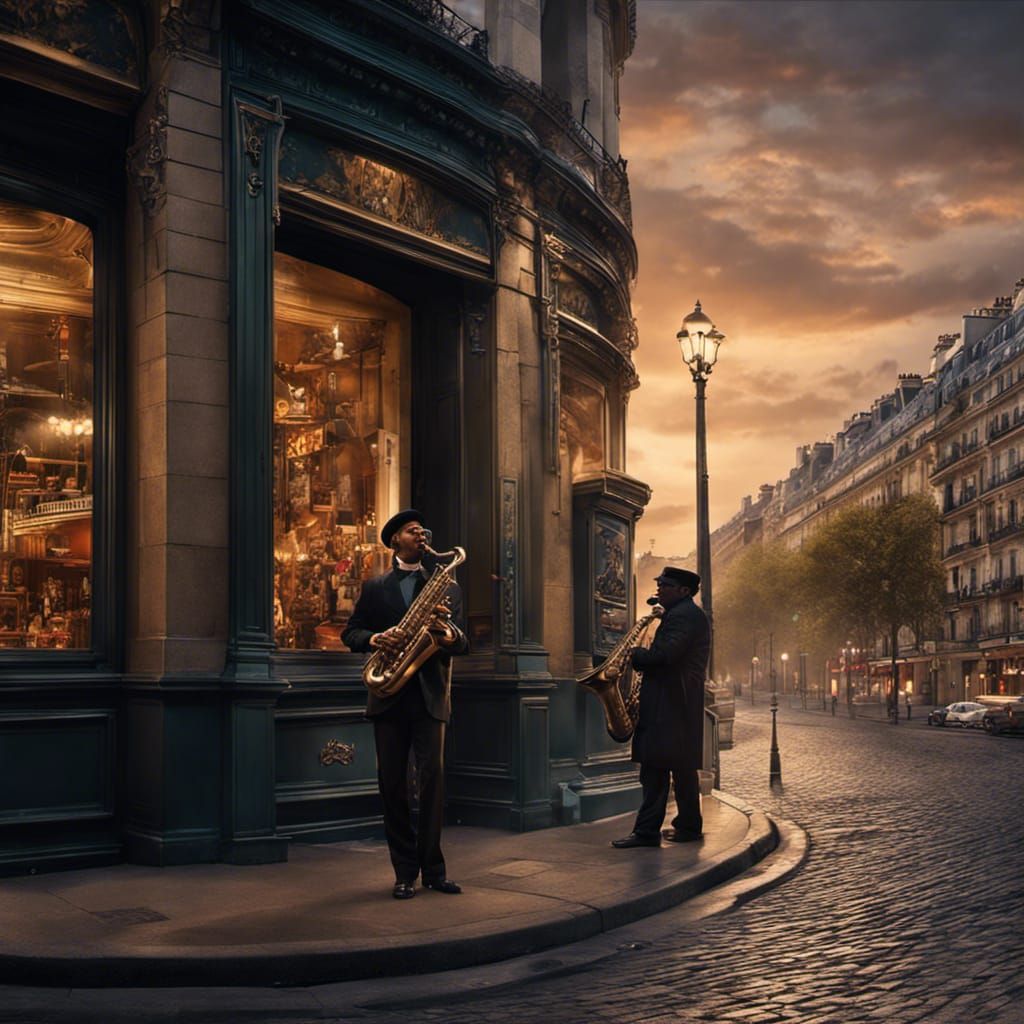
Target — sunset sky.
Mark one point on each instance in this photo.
(837, 182)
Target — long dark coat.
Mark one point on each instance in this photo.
(670, 728)
(381, 606)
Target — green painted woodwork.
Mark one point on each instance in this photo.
(79, 785)
(172, 773)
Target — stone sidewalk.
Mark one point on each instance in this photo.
(327, 915)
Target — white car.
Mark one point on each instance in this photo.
(966, 713)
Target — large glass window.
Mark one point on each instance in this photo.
(46, 429)
(583, 424)
(339, 346)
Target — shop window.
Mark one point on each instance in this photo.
(338, 356)
(583, 426)
(46, 429)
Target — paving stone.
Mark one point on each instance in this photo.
(907, 909)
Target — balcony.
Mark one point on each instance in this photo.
(955, 549)
(957, 453)
(967, 495)
(1004, 477)
(1009, 530)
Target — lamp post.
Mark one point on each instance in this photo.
(785, 661)
(753, 675)
(774, 761)
(803, 680)
(699, 340)
(848, 657)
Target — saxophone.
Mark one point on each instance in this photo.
(615, 682)
(387, 671)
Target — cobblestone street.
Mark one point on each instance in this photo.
(908, 908)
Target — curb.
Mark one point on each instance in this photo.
(300, 964)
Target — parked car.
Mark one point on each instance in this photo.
(965, 713)
(1008, 717)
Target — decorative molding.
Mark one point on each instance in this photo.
(257, 126)
(509, 560)
(104, 33)
(575, 299)
(552, 119)
(554, 250)
(145, 160)
(506, 215)
(384, 192)
(188, 28)
(359, 92)
(336, 752)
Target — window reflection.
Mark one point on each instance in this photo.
(583, 426)
(337, 469)
(46, 429)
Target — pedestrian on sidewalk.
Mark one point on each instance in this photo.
(835, 701)
(908, 705)
(414, 718)
(669, 737)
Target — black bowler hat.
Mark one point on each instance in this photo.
(681, 577)
(396, 522)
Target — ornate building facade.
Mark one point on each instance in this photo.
(953, 435)
(365, 256)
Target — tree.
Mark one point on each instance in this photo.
(760, 595)
(872, 571)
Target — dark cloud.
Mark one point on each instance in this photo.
(797, 284)
(827, 178)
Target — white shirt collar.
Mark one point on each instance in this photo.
(407, 566)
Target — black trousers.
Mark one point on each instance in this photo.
(403, 727)
(655, 779)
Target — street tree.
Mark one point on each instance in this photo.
(759, 597)
(873, 570)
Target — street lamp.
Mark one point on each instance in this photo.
(699, 340)
(753, 675)
(774, 761)
(848, 657)
(785, 660)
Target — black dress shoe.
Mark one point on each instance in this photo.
(635, 839)
(444, 885)
(681, 835)
(403, 890)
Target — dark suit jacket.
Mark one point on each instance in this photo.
(670, 728)
(381, 606)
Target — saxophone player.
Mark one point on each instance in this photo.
(669, 737)
(414, 718)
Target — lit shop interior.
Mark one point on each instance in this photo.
(340, 393)
(46, 428)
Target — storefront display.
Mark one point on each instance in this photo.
(46, 429)
(337, 355)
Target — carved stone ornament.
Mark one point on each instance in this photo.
(509, 533)
(336, 752)
(146, 159)
(259, 127)
(253, 140)
(506, 214)
(187, 28)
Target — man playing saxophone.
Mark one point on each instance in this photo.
(413, 718)
(668, 740)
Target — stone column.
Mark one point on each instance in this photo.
(513, 31)
(177, 468)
